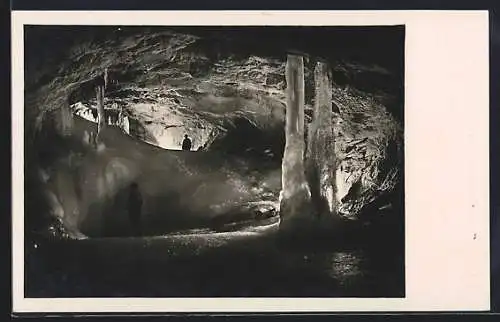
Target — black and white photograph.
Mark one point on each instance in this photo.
(240, 162)
(214, 161)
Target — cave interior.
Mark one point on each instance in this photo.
(294, 131)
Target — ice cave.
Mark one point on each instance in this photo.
(294, 132)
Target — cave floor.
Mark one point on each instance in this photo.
(229, 264)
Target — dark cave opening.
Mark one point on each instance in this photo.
(245, 139)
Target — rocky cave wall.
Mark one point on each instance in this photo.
(170, 85)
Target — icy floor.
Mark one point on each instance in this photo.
(201, 263)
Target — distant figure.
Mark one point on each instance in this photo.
(94, 114)
(134, 209)
(186, 143)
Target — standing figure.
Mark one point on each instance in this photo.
(94, 115)
(186, 143)
(134, 209)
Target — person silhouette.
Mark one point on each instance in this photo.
(134, 209)
(94, 114)
(186, 143)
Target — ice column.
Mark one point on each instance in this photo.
(295, 203)
(320, 156)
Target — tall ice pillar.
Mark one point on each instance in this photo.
(295, 197)
(320, 156)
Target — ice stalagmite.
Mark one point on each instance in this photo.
(100, 108)
(320, 156)
(295, 197)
